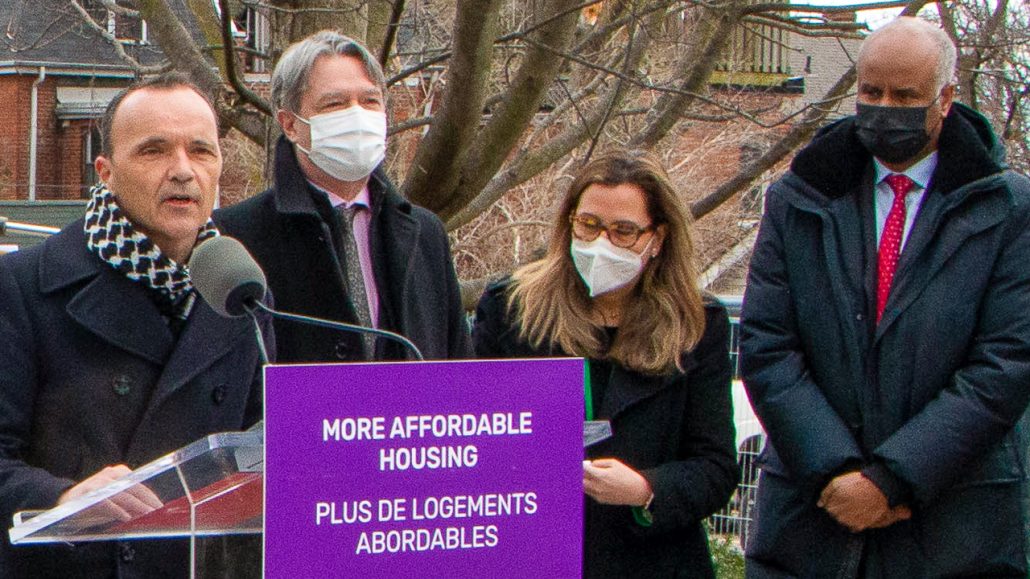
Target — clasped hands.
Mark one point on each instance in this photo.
(857, 503)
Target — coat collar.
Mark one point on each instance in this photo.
(834, 163)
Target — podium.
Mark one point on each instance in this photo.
(211, 487)
(479, 475)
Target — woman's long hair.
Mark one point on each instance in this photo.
(664, 317)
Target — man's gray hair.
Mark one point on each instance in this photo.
(290, 78)
(947, 55)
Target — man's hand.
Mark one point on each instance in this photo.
(124, 506)
(857, 503)
(609, 481)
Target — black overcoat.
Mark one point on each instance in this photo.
(676, 430)
(290, 230)
(930, 398)
(90, 376)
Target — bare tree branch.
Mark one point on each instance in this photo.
(694, 66)
(520, 103)
(248, 96)
(116, 44)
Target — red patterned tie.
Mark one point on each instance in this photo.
(890, 240)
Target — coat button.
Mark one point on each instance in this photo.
(859, 317)
(121, 385)
(218, 394)
(342, 350)
(126, 553)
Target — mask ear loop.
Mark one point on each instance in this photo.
(295, 143)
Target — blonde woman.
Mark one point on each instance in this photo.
(618, 286)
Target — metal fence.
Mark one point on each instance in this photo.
(734, 520)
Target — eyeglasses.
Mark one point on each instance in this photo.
(621, 233)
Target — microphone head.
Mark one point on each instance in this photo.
(226, 275)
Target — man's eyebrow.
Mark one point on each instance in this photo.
(204, 143)
(337, 94)
(150, 142)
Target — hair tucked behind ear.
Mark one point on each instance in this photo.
(665, 316)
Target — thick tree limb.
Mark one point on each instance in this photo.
(520, 104)
(530, 162)
(441, 151)
(229, 69)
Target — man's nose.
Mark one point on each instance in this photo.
(182, 167)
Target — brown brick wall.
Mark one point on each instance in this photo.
(14, 143)
(59, 145)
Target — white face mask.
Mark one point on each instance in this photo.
(605, 267)
(347, 144)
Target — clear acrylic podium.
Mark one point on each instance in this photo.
(211, 487)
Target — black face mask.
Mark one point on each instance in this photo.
(892, 134)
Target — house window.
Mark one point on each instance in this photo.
(90, 151)
(125, 28)
(255, 39)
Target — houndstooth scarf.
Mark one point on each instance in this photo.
(111, 236)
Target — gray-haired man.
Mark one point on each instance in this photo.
(334, 238)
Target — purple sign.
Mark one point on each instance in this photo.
(443, 469)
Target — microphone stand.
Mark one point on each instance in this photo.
(25, 228)
(252, 305)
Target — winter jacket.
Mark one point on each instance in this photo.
(928, 402)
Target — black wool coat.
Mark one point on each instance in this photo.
(291, 232)
(676, 430)
(91, 376)
(928, 403)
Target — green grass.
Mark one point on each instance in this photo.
(729, 561)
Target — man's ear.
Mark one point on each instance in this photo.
(288, 122)
(947, 97)
(103, 167)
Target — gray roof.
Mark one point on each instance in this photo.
(51, 33)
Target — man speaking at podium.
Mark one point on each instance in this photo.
(108, 356)
(333, 236)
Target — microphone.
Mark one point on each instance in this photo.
(229, 279)
(224, 272)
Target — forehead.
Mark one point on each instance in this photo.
(337, 74)
(898, 58)
(624, 201)
(164, 112)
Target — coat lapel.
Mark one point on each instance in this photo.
(109, 305)
(625, 390)
(205, 339)
(932, 243)
(394, 236)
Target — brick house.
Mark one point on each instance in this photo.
(57, 76)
